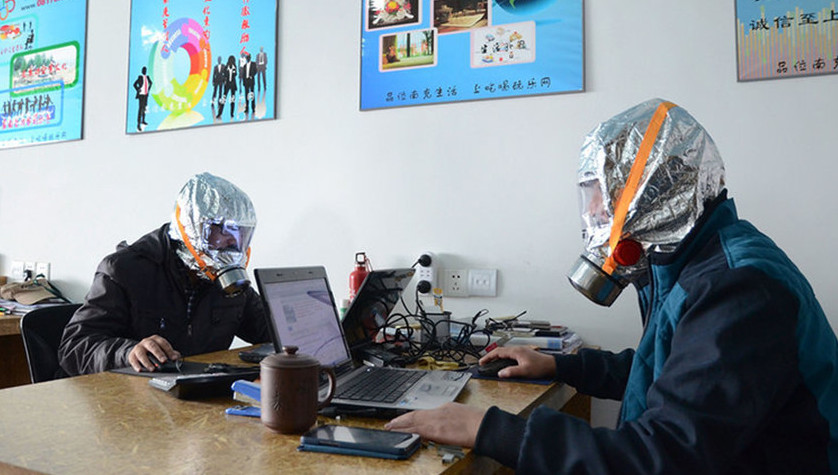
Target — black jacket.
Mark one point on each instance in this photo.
(144, 289)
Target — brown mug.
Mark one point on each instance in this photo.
(289, 390)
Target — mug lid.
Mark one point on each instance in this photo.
(289, 358)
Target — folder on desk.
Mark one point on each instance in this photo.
(248, 392)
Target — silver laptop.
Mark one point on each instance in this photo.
(301, 311)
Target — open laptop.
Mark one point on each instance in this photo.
(301, 312)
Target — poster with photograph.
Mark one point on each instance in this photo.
(200, 62)
(786, 38)
(417, 52)
(42, 47)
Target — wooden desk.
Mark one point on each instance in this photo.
(114, 423)
(14, 369)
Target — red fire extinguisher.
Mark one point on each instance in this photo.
(357, 276)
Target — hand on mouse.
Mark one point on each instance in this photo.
(156, 346)
(531, 363)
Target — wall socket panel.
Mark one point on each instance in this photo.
(470, 283)
(483, 282)
(17, 270)
(455, 283)
(42, 268)
(20, 269)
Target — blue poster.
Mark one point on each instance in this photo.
(432, 51)
(41, 71)
(200, 62)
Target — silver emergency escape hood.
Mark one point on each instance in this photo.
(214, 220)
(644, 178)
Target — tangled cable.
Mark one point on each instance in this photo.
(461, 339)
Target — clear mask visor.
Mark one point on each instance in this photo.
(595, 214)
(593, 210)
(221, 236)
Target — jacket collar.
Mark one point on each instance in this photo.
(159, 248)
(718, 213)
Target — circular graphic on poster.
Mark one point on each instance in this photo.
(524, 7)
(184, 35)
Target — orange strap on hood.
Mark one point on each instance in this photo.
(630, 190)
(189, 246)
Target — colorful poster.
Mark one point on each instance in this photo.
(786, 38)
(433, 51)
(41, 71)
(200, 62)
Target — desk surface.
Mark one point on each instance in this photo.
(14, 370)
(9, 325)
(118, 423)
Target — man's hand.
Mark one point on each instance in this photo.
(451, 424)
(531, 363)
(157, 346)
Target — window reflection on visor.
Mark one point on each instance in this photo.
(223, 235)
(594, 213)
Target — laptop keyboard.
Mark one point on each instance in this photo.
(379, 385)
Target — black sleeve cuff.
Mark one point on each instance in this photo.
(500, 436)
(569, 369)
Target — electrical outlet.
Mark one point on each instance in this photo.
(29, 269)
(427, 272)
(42, 268)
(455, 283)
(483, 282)
(17, 270)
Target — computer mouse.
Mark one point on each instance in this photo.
(491, 368)
(169, 366)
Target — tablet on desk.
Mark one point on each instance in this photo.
(257, 354)
(199, 386)
(196, 380)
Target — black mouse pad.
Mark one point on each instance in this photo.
(476, 375)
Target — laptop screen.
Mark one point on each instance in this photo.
(369, 312)
(303, 315)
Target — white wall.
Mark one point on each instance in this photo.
(482, 184)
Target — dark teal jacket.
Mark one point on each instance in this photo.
(736, 372)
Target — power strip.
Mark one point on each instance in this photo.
(427, 272)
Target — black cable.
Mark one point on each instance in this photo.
(450, 348)
(400, 334)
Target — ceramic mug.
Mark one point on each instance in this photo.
(289, 390)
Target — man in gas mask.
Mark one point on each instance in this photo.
(179, 290)
(737, 369)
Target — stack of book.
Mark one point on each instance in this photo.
(13, 307)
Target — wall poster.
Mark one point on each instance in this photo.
(432, 51)
(42, 45)
(200, 62)
(786, 38)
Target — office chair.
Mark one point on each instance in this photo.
(41, 330)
